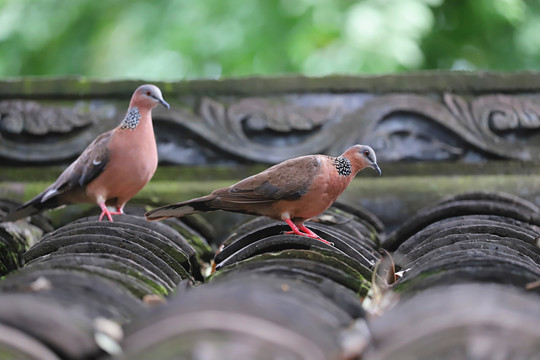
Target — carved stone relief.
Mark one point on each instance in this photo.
(400, 126)
(255, 129)
(33, 132)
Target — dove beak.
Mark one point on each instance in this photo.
(377, 168)
(164, 103)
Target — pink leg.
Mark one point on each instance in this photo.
(303, 228)
(119, 211)
(104, 211)
(306, 232)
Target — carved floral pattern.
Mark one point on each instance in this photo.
(30, 117)
(498, 124)
(398, 126)
(274, 128)
(33, 132)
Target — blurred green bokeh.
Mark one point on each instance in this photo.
(185, 39)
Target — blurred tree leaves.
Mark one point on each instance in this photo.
(484, 34)
(179, 39)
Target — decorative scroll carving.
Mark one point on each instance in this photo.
(32, 132)
(398, 126)
(254, 129)
(487, 126)
(502, 125)
(263, 114)
(17, 117)
(270, 129)
(506, 113)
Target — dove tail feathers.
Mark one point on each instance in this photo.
(30, 208)
(46, 200)
(181, 209)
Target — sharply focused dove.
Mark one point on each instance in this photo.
(293, 191)
(112, 169)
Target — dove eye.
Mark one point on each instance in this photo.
(148, 93)
(366, 152)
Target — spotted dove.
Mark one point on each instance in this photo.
(293, 191)
(112, 169)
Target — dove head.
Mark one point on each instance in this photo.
(361, 157)
(148, 97)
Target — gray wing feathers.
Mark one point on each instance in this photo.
(89, 165)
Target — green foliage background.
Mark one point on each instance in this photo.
(180, 39)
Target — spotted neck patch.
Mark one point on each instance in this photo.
(342, 165)
(132, 119)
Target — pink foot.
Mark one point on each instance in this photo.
(306, 232)
(104, 211)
